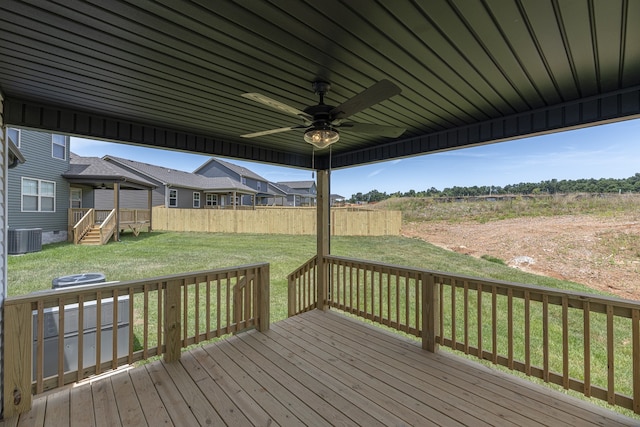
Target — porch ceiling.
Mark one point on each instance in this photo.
(170, 74)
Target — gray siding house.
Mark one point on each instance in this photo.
(216, 168)
(179, 189)
(299, 193)
(38, 195)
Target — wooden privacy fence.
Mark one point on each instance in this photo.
(583, 342)
(114, 324)
(277, 220)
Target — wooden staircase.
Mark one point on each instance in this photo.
(92, 237)
(91, 230)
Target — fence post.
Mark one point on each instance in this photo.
(18, 346)
(264, 311)
(172, 326)
(430, 312)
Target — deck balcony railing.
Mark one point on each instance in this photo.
(121, 323)
(582, 342)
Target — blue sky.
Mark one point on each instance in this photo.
(606, 151)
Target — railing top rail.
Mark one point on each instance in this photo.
(89, 212)
(111, 215)
(592, 298)
(108, 287)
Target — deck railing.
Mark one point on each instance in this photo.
(583, 342)
(135, 216)
(302, 288)
(82, 225)
(121, 323)
(107, 227)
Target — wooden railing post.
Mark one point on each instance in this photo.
(18, 342)
(322, 224)
(172, 325)
(264, 312)
(430, 312)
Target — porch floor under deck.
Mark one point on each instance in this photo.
(313, 369)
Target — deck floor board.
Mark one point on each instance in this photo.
(315, 369)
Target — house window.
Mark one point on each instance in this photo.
(196, 200)
(59, 147)
(173, 198)
(212, 200)
(259, 186)
(76, 198)
(38, 195)
(244, 180)
(14, 134)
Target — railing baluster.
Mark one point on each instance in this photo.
(510, 328)
(494, 325)
(635, 331)
(611, 398)
(466, 317)
(453, 315)
(565, 343)
(61, 334)
(545, 337)
(586, 313)
(527, 333)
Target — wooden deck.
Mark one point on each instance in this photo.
(313, 369)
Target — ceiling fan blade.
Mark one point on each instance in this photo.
(388, 131)
(271, 131)
(277, 105)
(380, 91)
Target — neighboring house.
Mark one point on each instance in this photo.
(38, 195)
(337, 200)
(216, 168)
(179, 189)
(93, 180)
(299, 193)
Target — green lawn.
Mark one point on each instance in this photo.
(163, 253)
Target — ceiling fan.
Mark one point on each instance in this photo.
(321, 122)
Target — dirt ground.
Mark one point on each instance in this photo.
(602, 253)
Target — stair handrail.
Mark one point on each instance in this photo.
(107, 227)
(83, 226)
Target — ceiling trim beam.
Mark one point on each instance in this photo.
(57, 119)
(610, 107)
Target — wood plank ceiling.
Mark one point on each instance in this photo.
(170, 73)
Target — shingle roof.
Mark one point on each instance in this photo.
(95, 167)
(178, 178)
(242, 171)
(298, 185)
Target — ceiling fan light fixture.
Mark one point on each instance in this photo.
(321, 137)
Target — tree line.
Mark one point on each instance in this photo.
(553, 186)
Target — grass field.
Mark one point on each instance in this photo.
(162, 253)
(433, 209)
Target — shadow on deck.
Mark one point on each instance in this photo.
(317, 368)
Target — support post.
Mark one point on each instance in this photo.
(430, 312)
(18, 341)
(150, 207)
(322, 230)
(116, 206)
(172, 325)
(264, 299)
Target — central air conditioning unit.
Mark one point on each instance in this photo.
(24, 240)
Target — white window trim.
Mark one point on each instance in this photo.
(175, 205)
(211, 199)
(17, 143)
(71, 200)
(64, 146)
(39, 195)
(196, 200)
